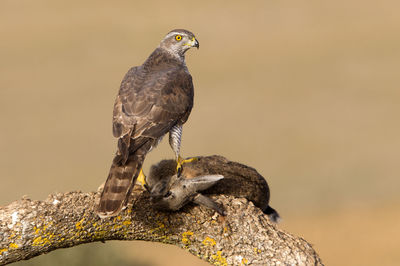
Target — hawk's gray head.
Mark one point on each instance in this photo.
(178, 41)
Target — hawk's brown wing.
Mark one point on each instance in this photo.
(150, 104)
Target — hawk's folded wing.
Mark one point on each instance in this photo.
(150, 104)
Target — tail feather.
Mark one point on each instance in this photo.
(118, 186)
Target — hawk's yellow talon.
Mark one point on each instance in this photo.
(142, 178)
(180, 161)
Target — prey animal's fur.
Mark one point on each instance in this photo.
(211, 175)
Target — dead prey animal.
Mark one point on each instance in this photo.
(209, 175)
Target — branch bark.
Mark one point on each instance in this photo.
(245, 236)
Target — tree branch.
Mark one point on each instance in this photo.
(30, 228)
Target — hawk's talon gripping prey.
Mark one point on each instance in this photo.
(179, 164)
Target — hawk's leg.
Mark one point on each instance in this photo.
(175, 136)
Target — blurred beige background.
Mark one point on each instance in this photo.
(307, 92)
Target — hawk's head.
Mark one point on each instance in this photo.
(178, 41)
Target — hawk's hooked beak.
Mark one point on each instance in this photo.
(193, 43)
(196, 43)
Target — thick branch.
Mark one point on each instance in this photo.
(245, 236)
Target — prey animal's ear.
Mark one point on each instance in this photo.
(201, 182)
(209, 203)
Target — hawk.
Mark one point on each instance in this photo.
(154, 99)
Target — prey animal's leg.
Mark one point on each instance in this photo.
(175, 136)
(209, 203)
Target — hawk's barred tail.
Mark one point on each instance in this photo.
(120, 181)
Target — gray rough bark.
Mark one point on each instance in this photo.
(29, 228)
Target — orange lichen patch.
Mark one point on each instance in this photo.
(256, 250)
(126, 223)
(100, 234)
(208, 241)
(161, 226)
(78, 225)
(185, 237)
(39, 241)
(37, 230)
(13, 246)
(116, 227)
(45, 226)
(3, 250)
(44, 236)
(245, 261)
(116, 219)
(219, 260)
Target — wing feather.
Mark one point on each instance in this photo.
(150, 104)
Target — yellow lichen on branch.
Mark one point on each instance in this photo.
(29, 228)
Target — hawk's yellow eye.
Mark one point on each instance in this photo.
(178, 37)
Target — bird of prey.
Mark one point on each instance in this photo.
(154, 99)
